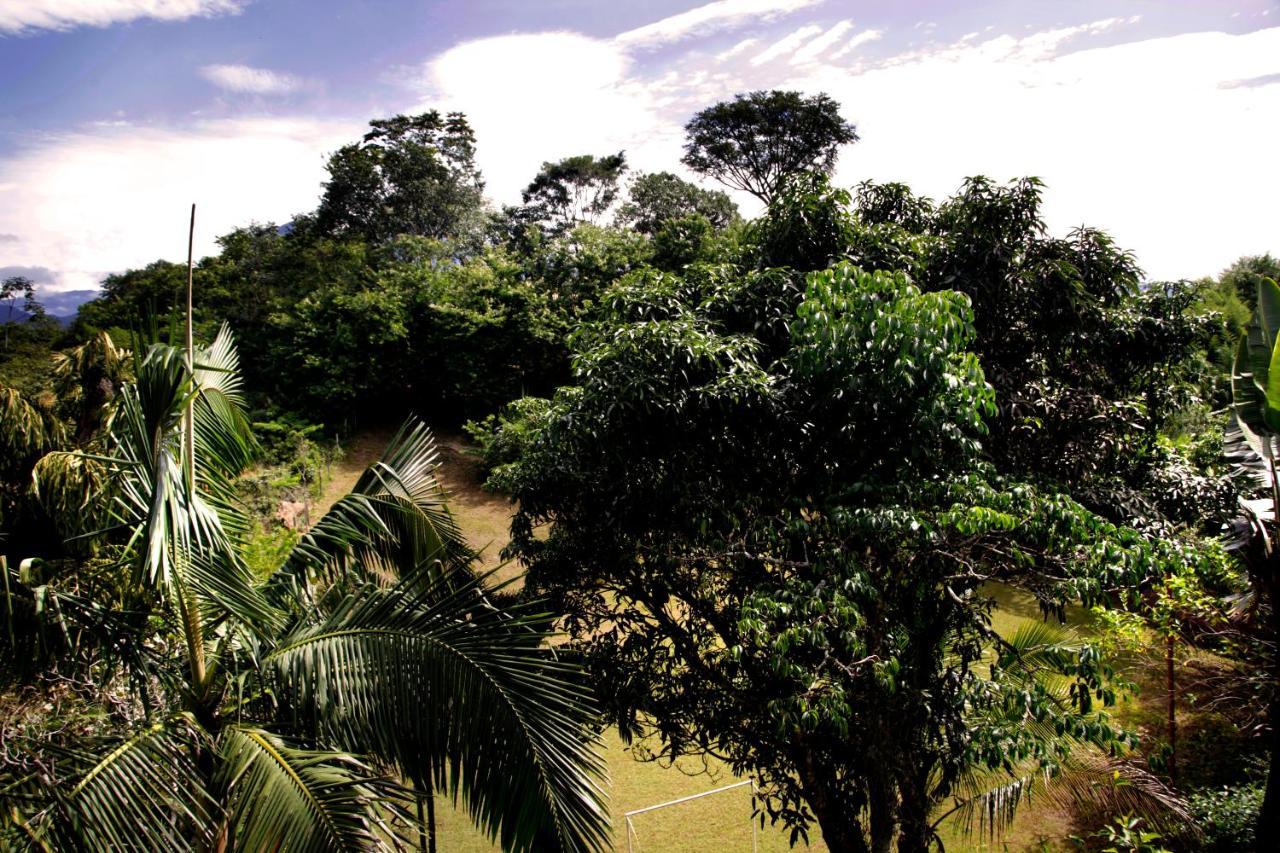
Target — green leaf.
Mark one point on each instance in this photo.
(282, 796)
(1249, 404)
(145, 792)
(429, 675)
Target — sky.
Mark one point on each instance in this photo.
(1156, 120)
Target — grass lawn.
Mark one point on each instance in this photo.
(718, 823)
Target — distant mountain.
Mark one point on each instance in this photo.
(20, 316)
(66, 303)
(60, 306)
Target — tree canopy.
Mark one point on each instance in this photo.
(660, 198)
(755, 141)
(576, 189)
(408, 175)
(779, 479)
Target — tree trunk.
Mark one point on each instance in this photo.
(837, 819)
(884, 824)
(914, 829)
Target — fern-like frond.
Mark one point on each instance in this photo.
(394, 518)
(430, 676)
(145, 792)
(282, 796)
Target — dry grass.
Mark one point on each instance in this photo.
(485, 518)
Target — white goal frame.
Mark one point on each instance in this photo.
(631, 831)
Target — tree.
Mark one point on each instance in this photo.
(89, 377)
(1087, 367)
(762, 510)
(279, 711)
(1247, 274)
(152, 291)
(575, 189)
(10, 290)
(755, 141)
(409, 175)
(659, 198)
(1255, 390)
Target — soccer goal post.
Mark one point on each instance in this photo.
(633, 842)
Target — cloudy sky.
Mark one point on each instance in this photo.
(1158, 120)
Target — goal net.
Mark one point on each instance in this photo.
(719, 819)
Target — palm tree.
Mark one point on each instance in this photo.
(1253, 441)
(316, 708)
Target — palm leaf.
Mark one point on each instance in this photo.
(280, 795)
(182, 535)
(144, 793)
(26, 430)
(68, 486)
(224, 435)
(1249, 403)
(1093, 786)
(394, 516)
(428, 675)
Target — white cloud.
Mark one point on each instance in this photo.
(737, 49)
(856, 42)
(18, 16)
(573, 95)
(723, 14)
(108, 199)
(248, 80)
(1105, 127)
(820, 45)
(786, 44)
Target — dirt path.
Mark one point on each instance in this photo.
(485, 518)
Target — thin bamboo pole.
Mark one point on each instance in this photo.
(189, 435)
(195, 638)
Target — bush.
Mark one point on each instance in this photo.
(501, 439)
(1227, 816)
(296, 446)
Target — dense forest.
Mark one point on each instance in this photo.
(767, 477)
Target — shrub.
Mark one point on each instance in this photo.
(1227, 816)
(501, 439)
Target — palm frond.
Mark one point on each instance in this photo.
(26, 430)
(142, 793)
(183, 535)
(224, 435)
(68, 618)
(1092, 785)
(430, 676)
(68, 485)
(394, 517)
(280, 795)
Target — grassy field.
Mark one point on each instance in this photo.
(718, 823)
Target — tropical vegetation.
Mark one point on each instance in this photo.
(770, 479)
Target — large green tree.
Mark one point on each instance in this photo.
(657, 199)
(576, 189)
(763, 512)
(758, 139)
(408, 175)
(1247, 274)
(282, 711)
(1088, 367)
